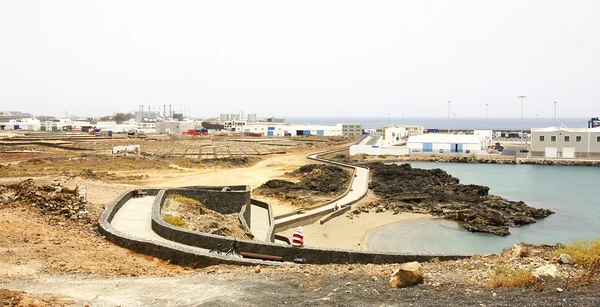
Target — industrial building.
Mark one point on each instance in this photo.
(174, 127)
(286, 129)
(563, 142)
(445, 143)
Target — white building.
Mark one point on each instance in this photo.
(394, 135)
(437, 143)
(283, 129)
(174, 127)
(563, 142)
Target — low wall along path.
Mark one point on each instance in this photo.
(136, 223)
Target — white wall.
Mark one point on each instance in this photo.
(376, 150)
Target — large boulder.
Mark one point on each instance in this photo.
(548, 270)
(408, 274)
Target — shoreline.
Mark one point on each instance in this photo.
(471, 160)
(416, 216)
(345, 233)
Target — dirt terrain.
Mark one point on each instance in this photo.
(60, 261)
(191, 214)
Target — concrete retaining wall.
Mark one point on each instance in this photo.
(174, 253)
(335, 214)
(225, 202)
(313, 255)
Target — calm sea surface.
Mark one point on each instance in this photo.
(570, 191)
(444, 123)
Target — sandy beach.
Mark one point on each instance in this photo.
(345, 233)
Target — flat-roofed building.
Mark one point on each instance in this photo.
(562, 142)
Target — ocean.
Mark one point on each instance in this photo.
(570, 191)
(444, 123)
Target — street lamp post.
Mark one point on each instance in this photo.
(388, 119)
(402, 118)
(449, 116)
(555, 113)
(522, 97)
(486, 113)
(454, 124)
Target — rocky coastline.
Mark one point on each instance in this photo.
(403, 188)
(476, 160)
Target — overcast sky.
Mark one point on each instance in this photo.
(302, 58)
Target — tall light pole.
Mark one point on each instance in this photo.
(555, 113)
(486, 109)
(522, 97)
(449, 116)
(388, 119)
(454, 124)
(402, 118)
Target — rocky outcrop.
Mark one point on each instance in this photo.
(50, 199)
(408, 189)
(316, 178)
(408, 274)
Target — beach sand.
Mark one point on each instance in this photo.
(342, 232)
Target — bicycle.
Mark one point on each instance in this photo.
(232, 250)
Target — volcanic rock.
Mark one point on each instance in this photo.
(436, 192)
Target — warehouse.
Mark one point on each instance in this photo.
(562, 142)
(174, 127)
(445, 143)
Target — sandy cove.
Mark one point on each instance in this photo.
(345, 233)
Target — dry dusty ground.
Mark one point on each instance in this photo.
(67, 263)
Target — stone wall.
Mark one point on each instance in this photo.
(313, 255)
(224, 202)
(168, 251)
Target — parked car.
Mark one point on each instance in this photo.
(415, 150)
(441, 151)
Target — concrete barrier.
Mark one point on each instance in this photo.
(335, 214)
(167, 251)
(313, 255)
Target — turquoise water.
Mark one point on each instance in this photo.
(570, 191)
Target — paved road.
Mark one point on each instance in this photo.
(371, 140)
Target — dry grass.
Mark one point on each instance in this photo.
(184, 200)
(174, 220)
(505, 277)
(585, 252)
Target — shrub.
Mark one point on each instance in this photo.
(584, 251)
(510, 278)
(174, 220)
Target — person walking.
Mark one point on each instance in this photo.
(298, 237)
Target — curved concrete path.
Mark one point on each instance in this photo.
(135, 218)
(259, 223)
(358, 189)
